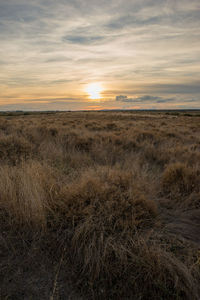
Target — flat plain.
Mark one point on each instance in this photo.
(100, 205)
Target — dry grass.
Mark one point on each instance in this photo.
(92, 204)
(180, 180)
(25, 193)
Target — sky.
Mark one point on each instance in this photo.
(144, 54)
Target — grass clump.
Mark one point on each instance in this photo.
(180, 180)
(14, 148)
(24, 193)
(110, 196)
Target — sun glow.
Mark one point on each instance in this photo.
(94, 90)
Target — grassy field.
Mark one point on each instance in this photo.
(100, 205)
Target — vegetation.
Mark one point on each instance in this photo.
(100, 205)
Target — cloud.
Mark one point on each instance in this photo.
(143, 99)
(124, 99)
(179, 88)
(156, 13)
(81, 39)
(57, 59)
(132, 20)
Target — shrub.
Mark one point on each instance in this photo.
(111, 197)
(179, 180)
(14, 148)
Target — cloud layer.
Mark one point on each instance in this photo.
(53, 49)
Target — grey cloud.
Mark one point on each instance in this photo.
(194, 100)
(146, 98)
(124, 98)
(43, 100)
(55, 100)
(23, 12)
(31, 81)
(187, 88)
(57, 59)
(191, 88)
(132, 20)
(82, 39)
(149, 13)
(2, 63)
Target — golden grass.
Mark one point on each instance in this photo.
(24, 191)
(101, 195)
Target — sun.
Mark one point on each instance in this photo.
(94, 90)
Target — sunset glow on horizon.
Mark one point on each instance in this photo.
(55, 53)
